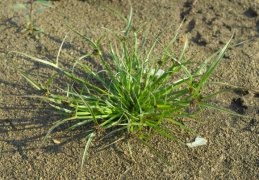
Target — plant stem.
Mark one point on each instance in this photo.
(31, 14)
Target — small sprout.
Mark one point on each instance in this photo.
(31, 28)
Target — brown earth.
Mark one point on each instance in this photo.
(232, 148)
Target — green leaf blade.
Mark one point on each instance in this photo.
(220, 109)
(39, 10)
(28, 17)
(44, 3)
(87, 145)
(19, 6)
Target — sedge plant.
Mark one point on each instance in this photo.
(135, 98)
(30, 16)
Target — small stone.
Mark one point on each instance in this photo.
(56, 141)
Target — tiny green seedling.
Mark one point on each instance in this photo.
(31, 28)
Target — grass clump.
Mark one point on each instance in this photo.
(136, 98)
(30, 27)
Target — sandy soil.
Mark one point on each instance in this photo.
(232, 149)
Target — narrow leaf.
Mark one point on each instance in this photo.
(39, 10)
(60, 48)
(37, 59)
(90, 138)
(220, 109)
(44, 3)
(86, 38)
(90, 109)
(27, 77)
(213, 65)
(129, 22)
(53, 127)
(181, 125)
(28, 17)
(116, 12)
(19, 6)
(99, 40)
